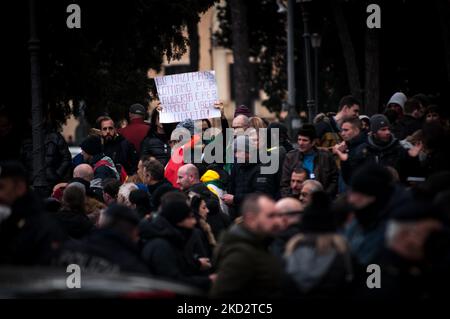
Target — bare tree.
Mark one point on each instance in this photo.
(348, 49)
(372, 72)
(239, 31)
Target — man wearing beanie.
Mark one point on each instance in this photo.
(104, 167)
(374, 197)
(320, 163)
(169, 241)
(385, 149)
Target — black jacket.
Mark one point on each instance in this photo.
(168, 253)
(29, 236)
(76, 224)
(355, 156)
(389, 154)
(122, 152)
(406, 126)
(157, 146)
(105, 251)
(58, 161)
(247, 178)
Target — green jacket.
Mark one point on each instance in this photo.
(245, 267)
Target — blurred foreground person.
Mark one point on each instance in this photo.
(245, 266)
(28, 236)
(318, 258)
(110, 249)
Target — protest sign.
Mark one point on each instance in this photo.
(187, 95)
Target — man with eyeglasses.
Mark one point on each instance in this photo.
(115, 146)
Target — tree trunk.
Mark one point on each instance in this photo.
(372, 72)
(348, 50)
(39, 178)
(442, 7)
(241, 67)
(194, 46)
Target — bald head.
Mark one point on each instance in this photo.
(84, 171)
(290, 210)
(188, 175)
(288, 204)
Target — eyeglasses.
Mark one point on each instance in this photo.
(108, 128)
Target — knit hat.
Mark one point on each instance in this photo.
(92, 145)
(159, 192)
(398, 98)
(187, 124)
(242, 109)
(137, 109)
(308, 130)
(377, 122)
(371, 179)
(175, 211)
(318, 216)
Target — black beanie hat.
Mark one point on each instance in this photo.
(92, 145)
(308, 130)
(377, 122)
(371, 179)
(175, 211)
(318, 216)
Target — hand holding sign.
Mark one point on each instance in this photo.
(187, 96)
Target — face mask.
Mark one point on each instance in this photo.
(5, 212)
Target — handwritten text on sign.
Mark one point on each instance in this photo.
(187, 95)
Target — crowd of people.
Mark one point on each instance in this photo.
(350, 192)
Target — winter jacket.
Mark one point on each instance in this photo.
(29, 236)
(324, 274)
(104, 251)
(157, 146)
(325, 170)
(366, 240)
(76, 224)
(247, 178)
(355, 156)
(104, 168)
(58, 161)
(245, 267)
(406, 126)
(327, 131)
(135, 132)
(122, 152)
(389, 154)
(168, 253)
